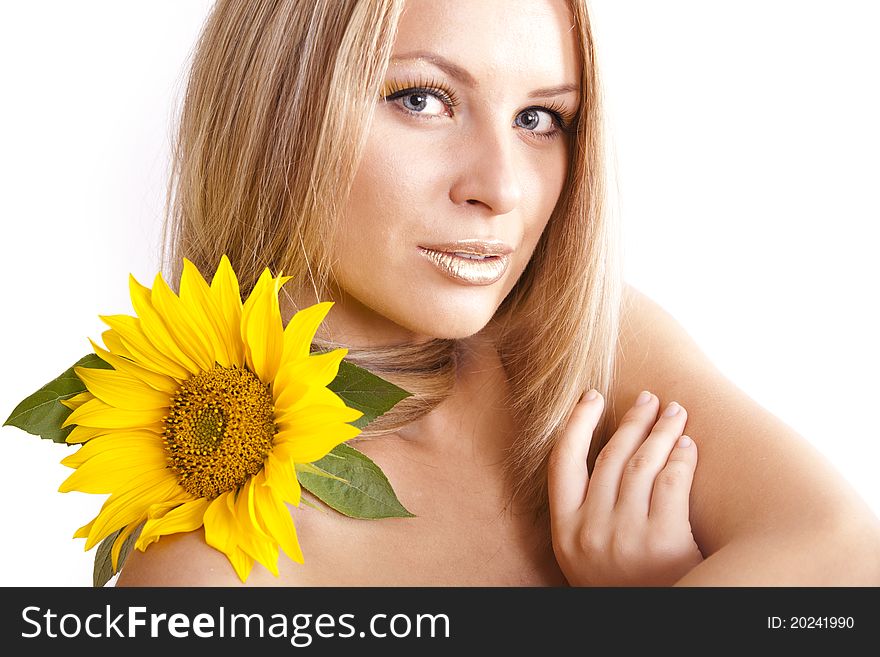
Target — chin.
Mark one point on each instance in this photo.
(457, 333)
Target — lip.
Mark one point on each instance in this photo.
(468, 270)
(472, 246)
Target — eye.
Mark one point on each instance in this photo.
(547, 122)
(431, 99)
(539, 121)
(425, 98)
(422, 102)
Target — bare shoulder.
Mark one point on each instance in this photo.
(656, 353)
(754, 471)
(185, 559)
(178, 560)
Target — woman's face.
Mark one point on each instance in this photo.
(466, 147)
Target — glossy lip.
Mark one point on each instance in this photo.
(472, 246)
(467, 270)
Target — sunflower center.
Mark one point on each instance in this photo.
(219, 430)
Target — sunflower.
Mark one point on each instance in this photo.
(208, 409)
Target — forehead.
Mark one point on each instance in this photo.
(493, 38)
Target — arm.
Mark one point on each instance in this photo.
(766, 508)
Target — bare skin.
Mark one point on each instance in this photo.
(446, 469)
(749, 502)
(490, 168)
(762, 507)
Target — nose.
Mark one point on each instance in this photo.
(488, 173)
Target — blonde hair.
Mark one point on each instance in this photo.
(248, 182)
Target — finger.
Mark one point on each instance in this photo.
(605, 481)
(639, 473)
(567, 477)
(670, 501)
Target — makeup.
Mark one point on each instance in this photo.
(483, 264)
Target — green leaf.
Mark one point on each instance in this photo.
(363, 390)
(364, 492)
(311, 468)
(42, 412)
(103, 560)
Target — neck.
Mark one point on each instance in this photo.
(349, 323)
(480, 385)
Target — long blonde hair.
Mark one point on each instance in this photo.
(248, 182)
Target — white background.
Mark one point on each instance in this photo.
(746, 142)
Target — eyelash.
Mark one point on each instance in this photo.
(393, 90)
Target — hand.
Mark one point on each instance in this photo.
(627, 524)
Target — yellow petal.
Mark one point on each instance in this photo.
(281, 477)
(313, 396)
(77, 400)
(252, 539)
(109, 472)
(121, 390)
(184, 324)
(220, 523)
(83, 532)
(185, 518)
(322, 368)
(197, 298)
(291, 394)
(137, 441)
(155, 380)
(277, 523)
(261, 328)
(242, 562)
(84, 434)
(131, 440)
(286, 391)
(114, 344)
(130, 505)
(317, 396)
(310, 448)
(96, 413)
(128, 329)
(314, 418)
(318, 370)
(159, 509)
(153, 326)
(301, 329)
(221, 533)
(225, 290)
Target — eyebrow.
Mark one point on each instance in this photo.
(457, 72)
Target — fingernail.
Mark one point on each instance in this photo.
(590, 396)
(684, 441)
(672, 409)
(643, 398)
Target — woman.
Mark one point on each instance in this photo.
(436, 170)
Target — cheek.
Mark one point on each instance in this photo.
(395, 169)
(380, 216)
(546, 190)
(556, 174)
(376, 211)
(375, 197)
